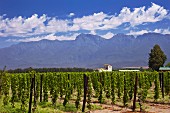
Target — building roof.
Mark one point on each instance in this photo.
(136, 67)
(129, 70)
(164, 68)
(107, 65)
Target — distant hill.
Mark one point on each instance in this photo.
(87, 51)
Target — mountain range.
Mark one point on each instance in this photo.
(87, 51)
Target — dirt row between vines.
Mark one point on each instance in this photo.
(150, 108)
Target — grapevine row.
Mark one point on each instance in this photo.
(55, 86)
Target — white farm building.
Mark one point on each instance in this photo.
(107, 67)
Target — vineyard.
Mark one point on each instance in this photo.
(82, 91)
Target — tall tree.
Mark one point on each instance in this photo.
(156, 58)
(168, 64)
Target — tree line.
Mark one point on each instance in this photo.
(41, 70)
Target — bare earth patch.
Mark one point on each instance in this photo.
(151, 108)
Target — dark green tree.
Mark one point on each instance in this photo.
(156, 58)
(168, 64)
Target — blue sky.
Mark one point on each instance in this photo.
(34, 20)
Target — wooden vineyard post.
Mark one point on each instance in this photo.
(31, 90)
(135, 92)
(160, 79)
(85, 92)
(41, 79)
(162, 89)
(125, 96)
(35, 94)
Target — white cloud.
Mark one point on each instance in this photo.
(157, 31)
(93, 32)
(38, 38)
(137, 16)
(55, 25)
(19, 26)
(71, 15)
(166, 31)
(135, 33)
(153, 14)
(65, 37)
(47, 37)
(107, 35)
(91, 22)
(162, 31)
(35, 25)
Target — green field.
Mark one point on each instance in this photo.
(64, 91)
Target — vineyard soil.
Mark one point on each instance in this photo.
(151, 108)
